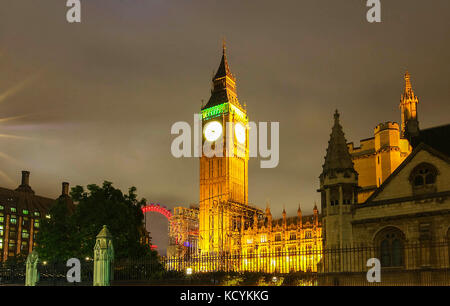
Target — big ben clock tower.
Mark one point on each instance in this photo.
(223, 177)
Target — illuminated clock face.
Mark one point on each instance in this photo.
(239, 131)
(213, 130)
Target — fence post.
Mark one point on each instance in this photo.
(103, 258)
(31, 274)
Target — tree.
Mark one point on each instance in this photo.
(56, 237)
(64, 236)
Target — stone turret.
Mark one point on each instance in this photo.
(269, 217)
(338, 187)
(316, 216)
(408, 107)
(299, 215)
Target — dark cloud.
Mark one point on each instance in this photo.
(100, 96)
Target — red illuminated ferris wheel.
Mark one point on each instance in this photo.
(163, 210)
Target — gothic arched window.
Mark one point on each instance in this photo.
(390, 245)
(423, 178)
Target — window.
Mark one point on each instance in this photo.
(36, 223)
(390, 244)
(292, 251)
(263, 252)
(423, 178)
(12, 245)
(308, 235)
(292, 236)
(2, 207)
(1, 230)
(25, 234)
(37, 214)
(13, 209)
(25, 212)
(1, 243)
(13, 219)
(263, 238)
(278, 237)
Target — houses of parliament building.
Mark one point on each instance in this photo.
(393, 188)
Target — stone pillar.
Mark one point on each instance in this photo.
(31, 274)
(103, 258)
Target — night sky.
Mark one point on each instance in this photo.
(95, 101)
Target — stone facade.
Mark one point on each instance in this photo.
(402, 182)
(418, 216)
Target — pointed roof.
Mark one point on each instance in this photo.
(104, 233)
(268, 209)
(224, 68)
(224, 85)
(408, 93)
(337, 158)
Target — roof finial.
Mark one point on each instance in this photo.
(224, 45)
(408, 86)
(336, 115)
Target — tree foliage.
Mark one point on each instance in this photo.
(67, 235)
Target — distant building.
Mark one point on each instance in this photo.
(183, 232)
(21, 212)
(288, 243)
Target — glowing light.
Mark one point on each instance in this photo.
(215, 111)
(189, 271)
(213, 130)
(15, 89)
(14, 137)
(4, 175)
(157, 208)
(239, 130)
(13, 118)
